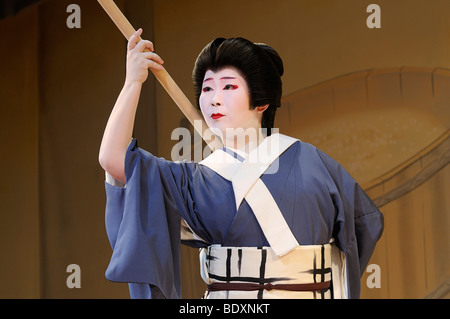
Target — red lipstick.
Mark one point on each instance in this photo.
(216, 116)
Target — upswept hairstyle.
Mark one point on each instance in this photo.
(259, 64)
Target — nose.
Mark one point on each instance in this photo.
(217, 99)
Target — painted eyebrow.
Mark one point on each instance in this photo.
(223, 78)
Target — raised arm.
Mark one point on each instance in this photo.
(119, 129)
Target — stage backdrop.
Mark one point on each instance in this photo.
(374, 98)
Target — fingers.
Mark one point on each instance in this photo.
(134, 39)
(154, 65)
(140, 56)
(153, 56)
(135, 42)
(144, 46)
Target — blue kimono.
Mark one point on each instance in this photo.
(317, 197)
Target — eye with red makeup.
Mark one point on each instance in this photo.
(226, 87)
(230, 87)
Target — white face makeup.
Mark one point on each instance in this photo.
(225, 102)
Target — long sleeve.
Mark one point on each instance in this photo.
(358, 223)
(143, 226)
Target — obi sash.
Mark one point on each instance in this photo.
(250, 272)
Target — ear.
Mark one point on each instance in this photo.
(261, 109)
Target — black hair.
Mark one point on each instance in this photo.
(259, 64)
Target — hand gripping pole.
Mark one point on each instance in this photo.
(164, 78)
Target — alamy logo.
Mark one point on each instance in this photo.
(74, 19)
(74, 279)
(191, 148)
(374, 279)
(374, 19)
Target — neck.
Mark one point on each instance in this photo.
(243, 140)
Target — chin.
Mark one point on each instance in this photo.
(216, 130)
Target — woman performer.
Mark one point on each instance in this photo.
(273, 217)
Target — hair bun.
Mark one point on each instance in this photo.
(276, 60)
(214, 46)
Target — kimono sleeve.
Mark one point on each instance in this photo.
(358, 222)
(143, 226)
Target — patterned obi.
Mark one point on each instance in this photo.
(250, 272)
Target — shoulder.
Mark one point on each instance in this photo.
(305, 150)
(312, 160)
(311, 150)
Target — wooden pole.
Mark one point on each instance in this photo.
(164, 78)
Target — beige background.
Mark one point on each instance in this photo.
(375, 99)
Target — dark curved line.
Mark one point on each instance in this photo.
(419, 178)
